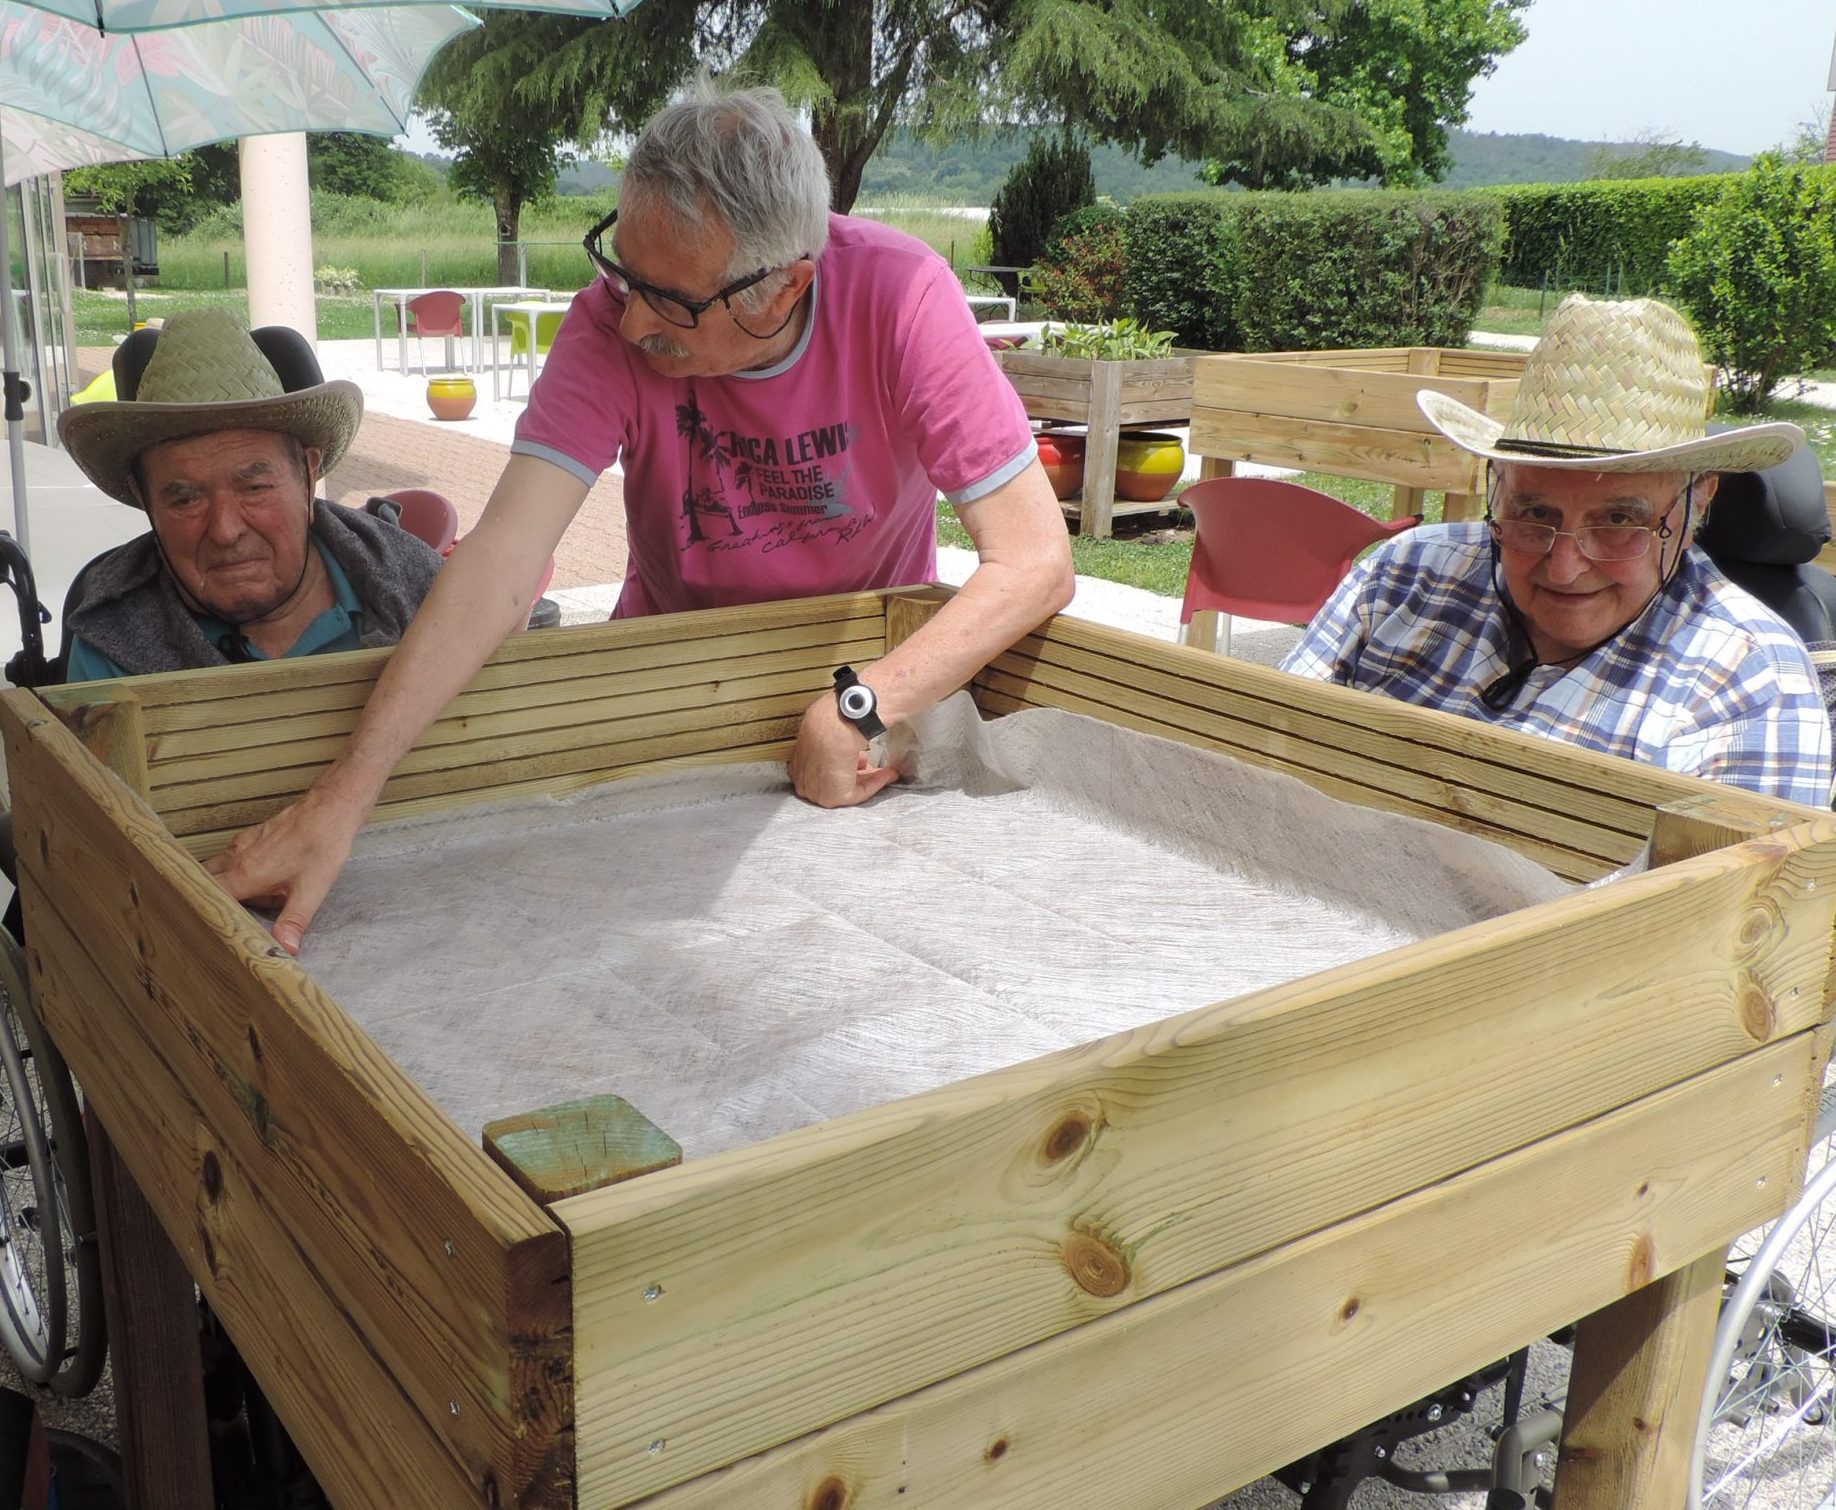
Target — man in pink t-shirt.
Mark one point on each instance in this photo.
(787, 393)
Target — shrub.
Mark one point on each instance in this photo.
(1080, 272)
(1757, 271)
(1585, 234)
(1310, 272)
(1052, 180)
(336, 280)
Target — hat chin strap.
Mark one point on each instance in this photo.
(1500, 693)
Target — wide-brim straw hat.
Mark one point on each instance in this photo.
(1613, 387)
(206, 374)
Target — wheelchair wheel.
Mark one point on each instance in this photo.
(1767, 1432)
(51, 1320)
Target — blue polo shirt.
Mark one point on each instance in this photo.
(340, 627)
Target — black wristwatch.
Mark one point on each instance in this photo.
(857, 703)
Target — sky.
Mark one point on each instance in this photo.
(1738, 75)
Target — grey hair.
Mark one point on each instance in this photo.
(739, 159)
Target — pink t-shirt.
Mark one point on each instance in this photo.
(818, 475)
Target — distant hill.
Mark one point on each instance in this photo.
(969, 172)
(1495, 158)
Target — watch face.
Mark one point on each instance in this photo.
(855, 701)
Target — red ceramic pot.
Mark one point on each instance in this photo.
(1062, 456)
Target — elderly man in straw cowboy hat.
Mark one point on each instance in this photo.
(222, 441)
(1579, 608)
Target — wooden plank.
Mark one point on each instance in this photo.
(1181, 1398)
(906, 614)
(577, 1146)
(1690, 826)
(206, 754)
(1096, 511)
(1635, 1391)
(1338, 450)
(456, 1280)
(1347, 396)
(1507, 754)
(364, 1439)
(169, 723)
(1314, 730)
(152, 1315)
(1042, 1196)
(543, 752)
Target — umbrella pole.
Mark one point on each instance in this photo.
(13, 390)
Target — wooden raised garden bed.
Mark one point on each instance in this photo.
(1107, 397)
(1115, 1276)
(1353, 414)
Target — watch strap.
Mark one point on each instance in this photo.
(857, 703)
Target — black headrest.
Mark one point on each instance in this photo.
(1772, 518)
(288, 353)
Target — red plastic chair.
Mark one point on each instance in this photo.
(1271, 550)
(428, 515)
(440, 313)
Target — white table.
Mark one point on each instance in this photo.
(534, 309)
(994, 301)
(476, 296)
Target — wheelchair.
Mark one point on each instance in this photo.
(51, 1314)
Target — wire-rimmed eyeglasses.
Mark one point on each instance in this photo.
(1598, 542)
(677, 308)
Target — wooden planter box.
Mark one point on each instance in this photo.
(1353, 414)
(1111, 1276)
(1107, 397)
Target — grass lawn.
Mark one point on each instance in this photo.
(102, 315)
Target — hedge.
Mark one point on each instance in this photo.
(1314, 271)
(1581, 235)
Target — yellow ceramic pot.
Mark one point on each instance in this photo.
(451, 397)
(1148, 464)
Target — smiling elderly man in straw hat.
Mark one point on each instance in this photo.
(242, 561)
(1579, 609)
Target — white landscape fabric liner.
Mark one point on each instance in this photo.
(737, 963)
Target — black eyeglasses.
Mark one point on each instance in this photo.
(678, 309)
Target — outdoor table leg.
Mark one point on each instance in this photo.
(401, 334)
(1640, 1363)
(152, 1312)
(376, 306)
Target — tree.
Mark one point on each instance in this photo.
(1649, 155)
(132, 187)
(509, 98)
(1052, 180)
(1757, 273)
(1399, 74)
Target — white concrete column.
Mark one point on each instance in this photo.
(277, 230)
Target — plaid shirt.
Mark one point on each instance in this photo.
(1706, 681)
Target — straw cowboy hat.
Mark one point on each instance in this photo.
(1613, 387)
(206, 373)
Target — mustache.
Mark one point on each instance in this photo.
(660, 345)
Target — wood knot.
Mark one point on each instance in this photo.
(1095, 1266)
(210, 1250)
(996, 1450)
(213, 1176)
(1758, 924)
(255, 1045)
(1349, 1311)
(1067, 1136)
(831, 1494)
(1643, 1267)
(44, 848)
(1758, 1017)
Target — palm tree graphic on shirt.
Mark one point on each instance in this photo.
(692, 425)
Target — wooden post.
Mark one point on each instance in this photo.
(1096, 516)
(1634, 1395)
(1405, 500)
(578, 1146)
(152, 1311)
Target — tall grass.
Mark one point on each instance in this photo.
(454, 242)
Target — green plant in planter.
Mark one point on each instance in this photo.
(1116, 341)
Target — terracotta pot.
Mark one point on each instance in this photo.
(1062, 456)
(1148, 464)
(451, 397)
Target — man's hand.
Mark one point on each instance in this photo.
(291, 861)
(828, 766)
